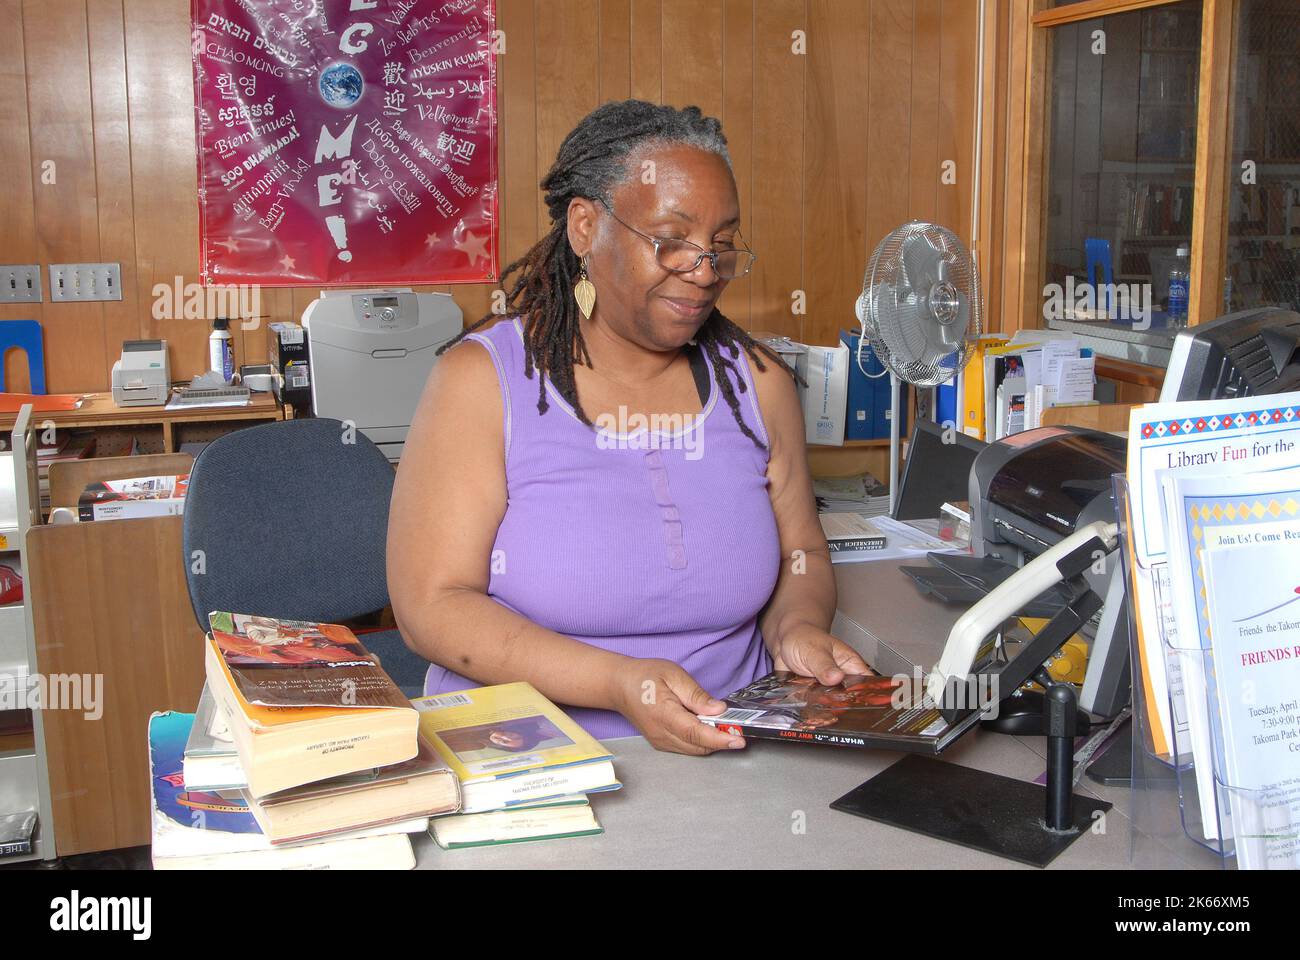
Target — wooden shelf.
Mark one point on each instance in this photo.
(21, 741)
(849, 443)
(99, 411)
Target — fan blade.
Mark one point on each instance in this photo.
(919, 263)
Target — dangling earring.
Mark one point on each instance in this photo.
(584, 291)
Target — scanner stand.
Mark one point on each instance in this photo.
(1010, 818)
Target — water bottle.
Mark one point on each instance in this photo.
(221, 355)
(1180, 281)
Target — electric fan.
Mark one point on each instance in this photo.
(920, 310)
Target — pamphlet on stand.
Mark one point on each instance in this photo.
(1234, 796)
(1254, 626)
(1239, 435)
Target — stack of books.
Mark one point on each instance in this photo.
(303, 753)
(64, 446)
(525, 768)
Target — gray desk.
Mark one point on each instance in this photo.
(742, 810)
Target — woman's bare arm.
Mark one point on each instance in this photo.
(796, 621)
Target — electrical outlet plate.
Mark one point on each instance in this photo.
(81, 282)
(20, 284)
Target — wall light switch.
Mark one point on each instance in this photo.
(85, 281)
(20, 284)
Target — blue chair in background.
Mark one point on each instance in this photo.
(291, 522)
(27, 336)
(1099, 259)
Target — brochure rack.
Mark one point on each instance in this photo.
(1169, 829)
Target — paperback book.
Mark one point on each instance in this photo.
(882, 712)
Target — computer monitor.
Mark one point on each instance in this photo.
(1244, 354)
(937, 471)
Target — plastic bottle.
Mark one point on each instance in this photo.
(221, 354)
(1180, 281)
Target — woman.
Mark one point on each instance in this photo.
(631, 575)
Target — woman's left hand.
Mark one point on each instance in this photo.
(812, 652)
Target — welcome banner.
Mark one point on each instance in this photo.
(346, 141)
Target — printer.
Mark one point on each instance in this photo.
(1031, 490)
(1028, 493)
(370, 352)
(142, 377)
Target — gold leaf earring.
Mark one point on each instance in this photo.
(584, 291)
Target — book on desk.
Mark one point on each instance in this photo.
(861, 711)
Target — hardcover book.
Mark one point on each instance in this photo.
(16, 832)
(553, 820)
(509, 745)
(873, 711)
(851, 532)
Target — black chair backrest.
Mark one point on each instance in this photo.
(288, 520)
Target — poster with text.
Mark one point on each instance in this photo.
(346, 142)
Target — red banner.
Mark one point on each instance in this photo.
(346, 141)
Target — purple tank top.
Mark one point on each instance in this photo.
(649, 540)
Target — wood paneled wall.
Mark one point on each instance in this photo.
(832, 147)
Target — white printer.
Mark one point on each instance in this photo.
(142, 377)
(371, 352)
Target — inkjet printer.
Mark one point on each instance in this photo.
(1029, 494)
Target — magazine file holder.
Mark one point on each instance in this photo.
(1168, 828)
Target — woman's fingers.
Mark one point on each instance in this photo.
(849, 660)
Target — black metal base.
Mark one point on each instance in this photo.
(1113, 767)
(1024, 715)
(983, 811)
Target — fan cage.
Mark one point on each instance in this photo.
(889, 291)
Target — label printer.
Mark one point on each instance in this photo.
(370, 353)
(142, 377)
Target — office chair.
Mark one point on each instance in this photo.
(288, 520)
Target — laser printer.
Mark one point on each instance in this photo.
(370, 352)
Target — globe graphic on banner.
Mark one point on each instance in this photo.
(341, 85)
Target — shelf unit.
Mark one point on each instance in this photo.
(24, 772)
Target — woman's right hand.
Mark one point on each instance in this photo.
(662, 701)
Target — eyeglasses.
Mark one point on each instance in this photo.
(682, 256)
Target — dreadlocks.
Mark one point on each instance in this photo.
(593, 159)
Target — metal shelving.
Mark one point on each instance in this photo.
(24, 777)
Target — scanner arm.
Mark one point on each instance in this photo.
(1066, 559)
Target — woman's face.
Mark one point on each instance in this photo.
(506, 738)
(691, 196)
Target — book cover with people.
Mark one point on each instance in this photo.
(861, 711)
(498, 731)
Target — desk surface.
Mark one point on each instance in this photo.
(99, 410)
(738, 810)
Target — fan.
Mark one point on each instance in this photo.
(921, 312)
